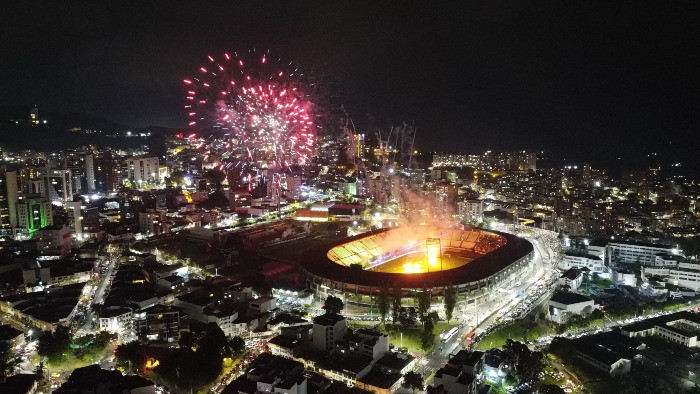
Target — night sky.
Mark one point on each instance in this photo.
(589, 79)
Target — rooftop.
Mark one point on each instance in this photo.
(113, 311)
(196, 298)
(645, 244)
(571, 273)
(261, 300)
(18, 384)
(396, 361)
(464, 357)
(317, 262)
(286, 318)
(51, 305)
(569, 298)
(598, 352)
(577, 253)
(328, 319)
(378, 378)
(285, 342)
(665, 321)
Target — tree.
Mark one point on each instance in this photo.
(527, 363)
(395, 304)
(103, 338)
(412, 381)
(194, 369)
(237, 345)
(450, 301)
(333, 305)
(54, 345)
(587, 311)
(424, 306)
(187, 340)
(427, 336)
(383, 302)
(407, 317)
(127, 354)
(8, 359)
(550, 389)
(212, 342)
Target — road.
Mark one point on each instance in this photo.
(87, 327)
(483, 317)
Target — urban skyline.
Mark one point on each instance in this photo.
(539, 77)
(349, 198)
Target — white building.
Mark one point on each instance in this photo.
(471, 210)
(328, 328)
(75, 216)
(572, 279)
(262, 305)
(58, 186)
(606, 360)
(149, 222)
(596, 249)
(116, 319)
(668, 260)
(204, 309)
(269, 373)
(681, 327)
(687, 276)
(563, 305)
(364, 342)
(630, 253)
(594, 263)
(226, 320)
(292, 341)
(142, 169)
(621, 276)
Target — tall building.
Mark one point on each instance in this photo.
(75, 162)
(8, 200)
(103, 172)
(357, 144)
(471, 210)
(142, 169)
(522, 161)
(28, 175)
(58, 186)
(53, 240)
(158, 323)
(34, 213)
(81, 218)
(446, 198)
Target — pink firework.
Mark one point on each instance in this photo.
(257, 105)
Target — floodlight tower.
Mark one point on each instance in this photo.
(433, 249)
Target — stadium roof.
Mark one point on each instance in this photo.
(316, 261)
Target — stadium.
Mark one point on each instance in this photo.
(475, 261)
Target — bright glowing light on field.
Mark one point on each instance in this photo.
(413, 268)
(433, 249)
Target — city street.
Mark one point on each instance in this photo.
(480, 318)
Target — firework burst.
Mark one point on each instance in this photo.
(257, 106)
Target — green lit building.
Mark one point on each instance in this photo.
(34, 213)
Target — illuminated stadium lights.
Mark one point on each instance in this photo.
(467, 259)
